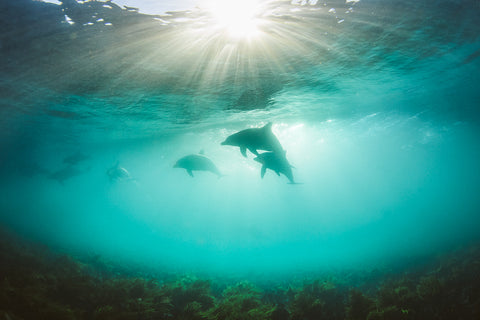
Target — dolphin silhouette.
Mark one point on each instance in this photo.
(255, 139)
(75, 158)
(276, 162)
(118, 172)
(64, 174)
(197, 162)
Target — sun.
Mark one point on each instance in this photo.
(239, 18)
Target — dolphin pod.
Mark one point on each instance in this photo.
(263, 138)
(252, 139)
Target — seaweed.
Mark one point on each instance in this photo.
(400, 294)
(39, 283)
(389, 313)
(318, 300)
(190, 298)
(239, 302)
(359, 306)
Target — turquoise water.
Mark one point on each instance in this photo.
(375, 102)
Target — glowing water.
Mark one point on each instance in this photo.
(377, 114)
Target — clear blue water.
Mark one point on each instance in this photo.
(376, 104)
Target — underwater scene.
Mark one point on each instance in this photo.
(240, 159)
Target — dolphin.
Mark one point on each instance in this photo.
(75, 158)
(275, 162)
(253, 139)
(197, 162)
(64, 174)
(117, 172)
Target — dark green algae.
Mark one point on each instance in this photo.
(40, 283)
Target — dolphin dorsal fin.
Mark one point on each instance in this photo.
(268, 126)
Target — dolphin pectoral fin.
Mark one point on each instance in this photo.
(190, 173)
(264, 169)
(243, 150)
